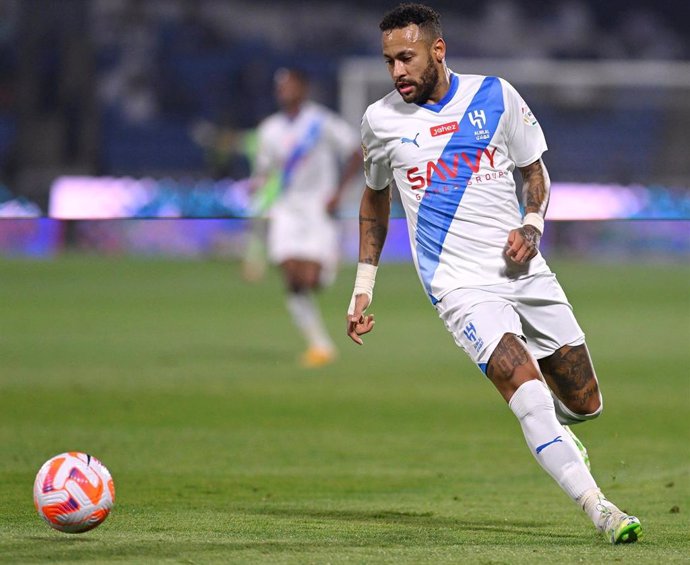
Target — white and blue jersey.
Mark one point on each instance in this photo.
(306, 152)
(453, 165)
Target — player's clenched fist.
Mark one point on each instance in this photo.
(523, 244)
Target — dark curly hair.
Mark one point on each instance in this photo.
(428, 20)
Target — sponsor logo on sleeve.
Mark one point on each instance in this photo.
(528, 117)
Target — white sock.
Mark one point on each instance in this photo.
(307, 317)
(597, 507)
(550, 444)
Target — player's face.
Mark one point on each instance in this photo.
(290, 90)
(412, 63)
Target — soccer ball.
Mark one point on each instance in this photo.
(73, 492)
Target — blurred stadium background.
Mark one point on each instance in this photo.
(164, 95)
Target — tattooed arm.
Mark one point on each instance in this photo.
(523, 242)
(374, 213)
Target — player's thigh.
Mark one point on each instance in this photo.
(301, 274)
(478, 319)
(313, 238)
(547, 317)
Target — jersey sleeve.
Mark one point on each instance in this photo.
(342, 136)
(525, 138)
(377, 167)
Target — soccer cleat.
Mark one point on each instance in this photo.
(316, 357)
(621, 528)
(617, 526)
(580, 446)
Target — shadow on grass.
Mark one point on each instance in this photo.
(540, 530)
(301, 531)
(62, 538)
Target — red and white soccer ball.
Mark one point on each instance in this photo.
(73, 492)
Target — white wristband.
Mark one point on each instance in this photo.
(535, 220)
(364, 284)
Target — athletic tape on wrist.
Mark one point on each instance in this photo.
(535, 220)
(364, 284)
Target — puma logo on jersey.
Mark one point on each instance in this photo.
(404, 140)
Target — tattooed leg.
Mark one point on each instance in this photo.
(570, 375)
(511, 365)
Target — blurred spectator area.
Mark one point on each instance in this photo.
(8, 90)
(162, 87)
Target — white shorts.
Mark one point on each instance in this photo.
(535, 308)
(305, 236)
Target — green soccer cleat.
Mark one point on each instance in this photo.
(621, 528)
(580, 446)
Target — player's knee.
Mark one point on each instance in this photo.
(311, 281)
(596, 407)
(295, 286)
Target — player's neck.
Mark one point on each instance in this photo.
(442, 87)
(293, 110)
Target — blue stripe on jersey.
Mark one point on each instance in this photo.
(448, 183)
(300, 150)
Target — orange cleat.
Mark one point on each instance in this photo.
(317, 357)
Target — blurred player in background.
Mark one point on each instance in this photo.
(315, 154)
(451, 142)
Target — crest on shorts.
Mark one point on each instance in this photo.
(470, 332)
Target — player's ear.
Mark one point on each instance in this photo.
(438, 50)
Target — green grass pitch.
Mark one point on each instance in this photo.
(182, 379)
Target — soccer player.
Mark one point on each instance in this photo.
(451, 142)
(315, 154)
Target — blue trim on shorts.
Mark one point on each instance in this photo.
(482, 367)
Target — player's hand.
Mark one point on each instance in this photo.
(523, 244)
(357, 323)
(332, 205)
